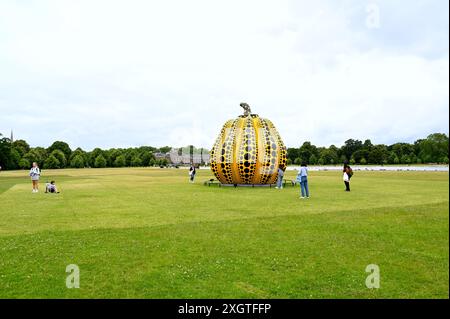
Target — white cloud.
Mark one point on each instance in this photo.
(115, 73)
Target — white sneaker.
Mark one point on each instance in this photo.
(276, 188)
(302, 197)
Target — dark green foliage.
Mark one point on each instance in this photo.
(61, 157)
(14, 158)
(24, 163)
(165, 149)
(350, 147)
(62, 146)
(21, 146)
(146, 158)
(136, 161)
(378, 155)
(77, 161)
(19, 155)
(434, 148)
(52, 162)
(100, 162)
(5, 152)
(120, 161)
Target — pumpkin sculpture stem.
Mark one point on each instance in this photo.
(247, 110)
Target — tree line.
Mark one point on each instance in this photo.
(19, 154)
(433, 149)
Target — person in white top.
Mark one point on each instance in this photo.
(35, 174)
(302, 178)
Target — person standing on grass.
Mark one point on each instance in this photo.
(302, 178)
(348, 173)
(35, 174)
(192, 172)
(281, 171)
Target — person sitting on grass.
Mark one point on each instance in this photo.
(51, 188)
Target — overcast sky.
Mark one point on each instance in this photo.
(130, 73)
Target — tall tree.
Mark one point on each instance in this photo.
(62, 146)
(5, 152)
(21, 146)
(306, 151)
(434, 148)
(350, 147)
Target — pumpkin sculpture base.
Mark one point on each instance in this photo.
(248, 185)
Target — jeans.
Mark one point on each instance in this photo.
(280, 181)
(304, 186)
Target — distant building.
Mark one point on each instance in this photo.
(188, 155)
(162, 156)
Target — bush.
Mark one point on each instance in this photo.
(24, 163)
(396, 160)
(52, 163)
(363, 161)
(162, 163)
(100, 162)
(136, 161)
(406, 159)
(147, 157)
(59, 155)
(120, 161)
(77, 162)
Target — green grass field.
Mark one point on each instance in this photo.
(148, 233)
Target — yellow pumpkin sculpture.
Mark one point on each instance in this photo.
(248, 151)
